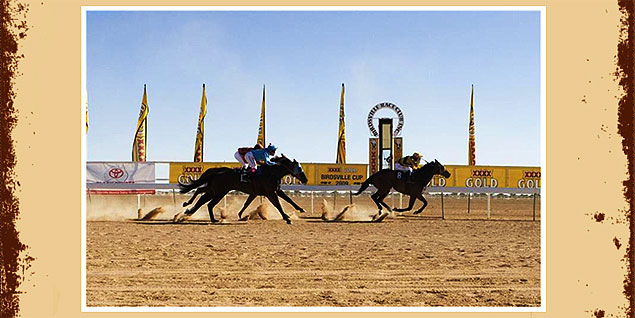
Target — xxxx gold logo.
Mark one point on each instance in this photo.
(192, 169)
(531, 174)
(481, 173)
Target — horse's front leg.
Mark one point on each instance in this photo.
(247, 203)
(284, 196)
(273, 198)
(411, 203)
(425, 203)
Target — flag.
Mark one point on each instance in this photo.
(87, 112)
(261, 128)
(198, 148)
(139, 144)
(341, 135)
(471, 151)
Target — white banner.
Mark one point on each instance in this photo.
(128, 172)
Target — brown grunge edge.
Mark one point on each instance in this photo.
(13, 27)
(626, 126)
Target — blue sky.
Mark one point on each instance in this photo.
(422, 61)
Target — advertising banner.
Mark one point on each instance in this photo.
(340, 174)
(186, 172)
(120, 172)
(489, 177)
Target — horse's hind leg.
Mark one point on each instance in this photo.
(411, 203)
(202, 200)
(375, 199)
(425, 203)
(196, 193)
(381, 200)
(211, 205)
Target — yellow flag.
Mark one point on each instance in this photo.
(471, 151)
(198, 148)
(139, 145)
(87, 112)
(261, 128)
(341, 136)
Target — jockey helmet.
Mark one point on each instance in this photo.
(272, 148)
(416, 155)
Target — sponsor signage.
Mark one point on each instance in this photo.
(340, 174)
(120, 172)
(354, 174)
(489, 177)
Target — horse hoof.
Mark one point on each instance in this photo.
(184, 204)
(416, 212)
(214, 221)
(302, 210)
(289, 222)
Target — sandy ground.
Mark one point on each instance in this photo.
(406, 260)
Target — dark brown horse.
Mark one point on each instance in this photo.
(386, 179)
(215, 183)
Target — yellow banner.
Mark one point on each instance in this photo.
(198, 147)
(471, 151)
(489, 177)
(185, 172)
(139, 148)
(261, 128)
(354, 174)
(316, 173)
(340, 174)
(341, 135)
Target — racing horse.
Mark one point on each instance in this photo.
(216, 183)
(386, 179)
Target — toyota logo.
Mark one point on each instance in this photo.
(116, 173)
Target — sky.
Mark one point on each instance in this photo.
(422, 61)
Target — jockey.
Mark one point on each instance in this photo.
(259, 156)
(240, 154)
(408, 163)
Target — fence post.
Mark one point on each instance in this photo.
(334, 199)
(469, 195)
(488, 205)
(534, 217)
(442, 208)
(311, 201)
(174, 200)
(400, 200)
(350, 196)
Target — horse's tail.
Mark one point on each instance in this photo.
(365, 185)
(185, 188)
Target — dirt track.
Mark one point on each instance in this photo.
(464, 260)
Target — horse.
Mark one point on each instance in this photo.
(216, 183)
(386, 179)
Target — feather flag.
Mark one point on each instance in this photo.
(198, 147)
(86, 112)
(471, 151)
(261, 128)
(139, 145)
(341, 135)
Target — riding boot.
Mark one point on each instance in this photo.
(244, 175)
(409, 177)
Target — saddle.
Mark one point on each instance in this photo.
(405, 176)
(246, 174)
